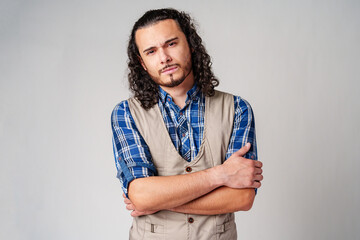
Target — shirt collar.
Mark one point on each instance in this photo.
(193, 94)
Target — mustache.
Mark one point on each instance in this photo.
(168, 66)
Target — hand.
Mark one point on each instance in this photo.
(239, 172)
(131, 207)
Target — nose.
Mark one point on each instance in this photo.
(164, 56)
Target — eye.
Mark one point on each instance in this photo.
(150, 52)
(172, 44)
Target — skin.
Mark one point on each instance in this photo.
(166, 56)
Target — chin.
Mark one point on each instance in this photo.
(174, 82)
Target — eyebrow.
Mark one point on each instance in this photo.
(167, 41)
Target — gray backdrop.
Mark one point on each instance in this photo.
(63, 69)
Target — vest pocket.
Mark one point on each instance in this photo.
(226, 231)
(154, 231)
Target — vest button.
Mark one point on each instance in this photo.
(190, 220)
(188, 169)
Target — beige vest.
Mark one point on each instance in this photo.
(167, 225)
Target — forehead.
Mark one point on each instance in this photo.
(157, 33)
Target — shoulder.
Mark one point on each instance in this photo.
(241, 105)
(222, 98)
(121, 107)
(121, 111)
(221, 94)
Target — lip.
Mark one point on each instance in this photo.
(170, 70)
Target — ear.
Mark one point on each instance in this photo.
(142, 63)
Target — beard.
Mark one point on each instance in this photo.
(170, 80)
(175, 82)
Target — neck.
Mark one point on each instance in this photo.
(179, 93)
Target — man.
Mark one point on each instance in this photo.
(184, 152)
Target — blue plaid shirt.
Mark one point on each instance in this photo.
(185, 127)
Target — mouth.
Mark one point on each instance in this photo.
(169, 69)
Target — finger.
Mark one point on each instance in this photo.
(133, 214)
(124, 196)
(258, 177)
(136, 213)
(258, 164)
(242, 151)
(127, 201)
(258, 171)
(130, 207)
(256, 184)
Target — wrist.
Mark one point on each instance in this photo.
(215, 176)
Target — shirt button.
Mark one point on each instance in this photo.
(190, 220)
(183, 135)
(188, 169)
(252, 157)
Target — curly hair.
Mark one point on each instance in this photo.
(140, 82)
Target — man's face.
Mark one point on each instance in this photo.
(165, 53)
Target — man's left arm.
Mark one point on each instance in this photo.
(219, 201)
(225, 199)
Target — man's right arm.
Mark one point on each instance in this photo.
(132, 155)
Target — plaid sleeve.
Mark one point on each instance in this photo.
(132, 155)
(243, 129)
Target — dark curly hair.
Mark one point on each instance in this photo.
(144, 88)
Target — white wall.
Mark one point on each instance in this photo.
(63, 69)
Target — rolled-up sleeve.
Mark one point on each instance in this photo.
(243, 129)
(132, 155)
